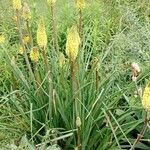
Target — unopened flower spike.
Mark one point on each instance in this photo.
(61, 60)
(72, 44)
(78, 122)
(26, 13)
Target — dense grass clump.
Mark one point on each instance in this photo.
(72, 74)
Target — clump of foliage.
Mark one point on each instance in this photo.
(66, 80)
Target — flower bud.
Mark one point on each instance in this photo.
(135, 71)
(61, 60)
(78, 122)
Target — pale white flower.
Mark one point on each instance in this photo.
(136, 67)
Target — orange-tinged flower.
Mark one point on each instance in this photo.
(72, 44)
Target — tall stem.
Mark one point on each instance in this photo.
(139, 137)
(75, 97)
(97, 80)
(78, 139)
(37, 76)
(50, 85)
(29, 32)
(74, 86)
(15, 85)
(55, 39)
(80, 23)
(22, 44)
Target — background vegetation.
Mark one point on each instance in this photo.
(117, 33)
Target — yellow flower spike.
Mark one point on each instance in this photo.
(20, 50)
(17, 4)
(41, 34)
(80, 4)
(72, 44)
(2, 39)
(26, 39)
(146, 98)
(51, 2)
(26, 13)
(34, 54)
(61, 60)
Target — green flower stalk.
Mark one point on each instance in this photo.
(17, 6)
(34, 56)
(42, 43)
(26, 15)
(80, 4)
(96, 66)
(72, 50)
(51, 4)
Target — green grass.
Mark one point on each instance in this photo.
(117, 33)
